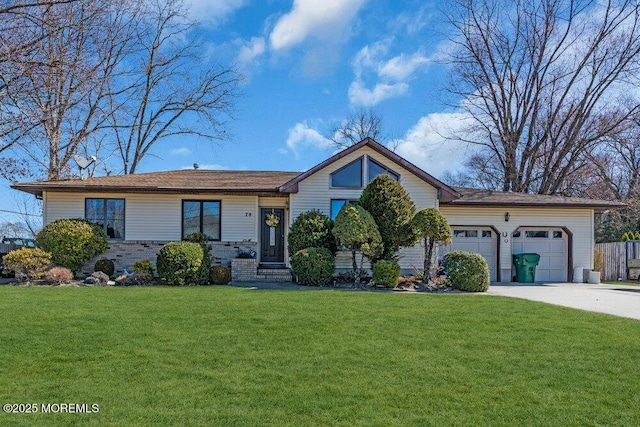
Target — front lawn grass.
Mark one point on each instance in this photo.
(231, 356)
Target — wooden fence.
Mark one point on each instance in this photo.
(614, 258)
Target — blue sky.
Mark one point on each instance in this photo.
(309, 64)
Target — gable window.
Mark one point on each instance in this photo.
(108, 214)
(201, 216)
(337, 204)
(376, 169)
(349, 176)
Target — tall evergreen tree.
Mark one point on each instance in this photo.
(392, 209)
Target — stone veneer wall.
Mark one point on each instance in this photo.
(124, 253)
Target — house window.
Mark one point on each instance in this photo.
(557, 234)
(201, 216)
(376, 169)
(337, 204)
(108, 214)
(487, 234)
(349, 176)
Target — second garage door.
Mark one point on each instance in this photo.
(551, 245)
(482, 240)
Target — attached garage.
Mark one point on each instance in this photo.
(552, 244)
(482, 240)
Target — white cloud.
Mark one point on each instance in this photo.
(325, 21)
(427, 144)
(250, 50)
(391, 76)
(360, 95)
(303, 134)
(213, 11)
(182, 151)
(403, 66)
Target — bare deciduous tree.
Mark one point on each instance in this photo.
(175, 92)
(356, 127)
(545, 82)
(58, 87)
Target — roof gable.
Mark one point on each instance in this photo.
(446, 193)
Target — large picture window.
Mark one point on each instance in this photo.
(350, 176)
(108, 214)
(376, 169)
(201, 216)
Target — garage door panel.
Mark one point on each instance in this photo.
(552, 266)
(485, 246)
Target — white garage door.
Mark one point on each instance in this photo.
(551, 245)
(481, 240)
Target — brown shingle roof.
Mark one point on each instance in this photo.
(180, 181)
(476, 197)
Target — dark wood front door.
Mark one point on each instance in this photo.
(271, 235)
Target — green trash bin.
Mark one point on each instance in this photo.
(526, 267)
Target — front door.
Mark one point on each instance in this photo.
(272, 235)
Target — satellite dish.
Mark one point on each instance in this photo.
(83, 162)
(196, 166)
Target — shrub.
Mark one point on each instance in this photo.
(432, 227)
(31, 263)
(136, 279)
(105, 265)
(143, 266)
(219, 275)
(355, 228)
(203, 241)
(467, 271)
(59, 275)
(392, 209)
(179, 264)
(386, 273)
(311, 229)
(72, 242)
(313, 266)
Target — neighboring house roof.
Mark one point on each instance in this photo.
(445, 192)
(487, 198)
(181, 181)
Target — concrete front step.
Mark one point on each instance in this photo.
(274, 275)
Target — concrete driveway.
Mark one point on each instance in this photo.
(619, 300)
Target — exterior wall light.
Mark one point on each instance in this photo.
(506, 217)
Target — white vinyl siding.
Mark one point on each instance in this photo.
(315, 192)
(578, 221)
(158, 217)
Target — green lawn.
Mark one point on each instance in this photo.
(231, 356)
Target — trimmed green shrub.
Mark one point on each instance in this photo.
(356, 229)
(219, 275)
(203, 241)
(313, 266)
(386, 273)
(392, 209)
(72, 242)
(105, 265)
(311, 229)
(59, 275)
(466, 271)
(180, 264)
(143, 266)
(432, 227)
(32, 263)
